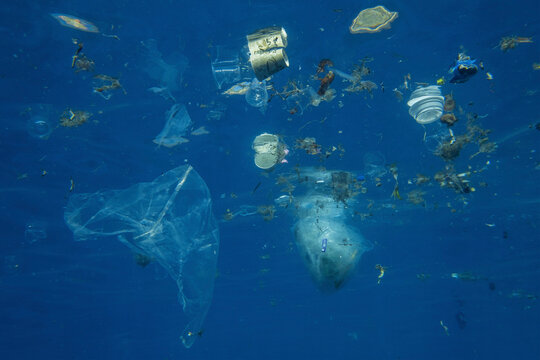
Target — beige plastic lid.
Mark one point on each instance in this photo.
(265, 161)
(266, 150)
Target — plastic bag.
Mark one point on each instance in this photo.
(178, 122)
(169, 220)
(325, 237)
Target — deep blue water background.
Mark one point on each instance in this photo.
(61, 299)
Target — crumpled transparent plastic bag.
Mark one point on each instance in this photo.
(177, 125)
(169, 220)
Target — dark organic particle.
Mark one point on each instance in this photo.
(449, 103)
(142, 260)
(322, 64)
(451, 149)
(325, 83)
(449, 119)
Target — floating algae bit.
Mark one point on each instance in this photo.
(373, 20)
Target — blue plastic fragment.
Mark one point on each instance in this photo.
(323, 244)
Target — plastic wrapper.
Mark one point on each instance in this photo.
(329, 245)
(169, 71)
(177, 125)
(168, 220)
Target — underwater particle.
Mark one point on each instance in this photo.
(324, 244)
(341, 186)
(229, 215)
(325, 83)
(449, 103)
(79, 61)
(35, 231)
(364, 85)
(75, 23)
(372, 20)
(70, 118)
(440, 81)
(510, 42)
(200, 131)
(421, 179)
(466, 276)
(536, 66)
(489, 76)
(163, 92)
(308, 144)
(267, 211)
(491, 286)
(142, 260)
(450, 150)
(484, 146)
(460, 318)
(406, 79)
(422, 276)
(83, 63)
(445, 328)
(398, 94)
(39, 127)
(449, 119)
(105, 84)
(450, 179)
(416, 197)
(322, 64)
(381, 269)
(505, 234)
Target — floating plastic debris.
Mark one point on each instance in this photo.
(324, 244)
(267, 51)
(227, 66)
(200, 131)
(238, 89)
(426, 104)
(178, 121)
(75, 23)
(373, 20)
(39, 122)
(256, 94)
(464, 69)
(268, 151)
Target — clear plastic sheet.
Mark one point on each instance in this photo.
(326, 238)
(169, 220)
(169, 71)
(176, 126)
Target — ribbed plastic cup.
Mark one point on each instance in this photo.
(426, 104)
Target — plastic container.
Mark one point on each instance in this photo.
(268, 150)
(426, 104)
